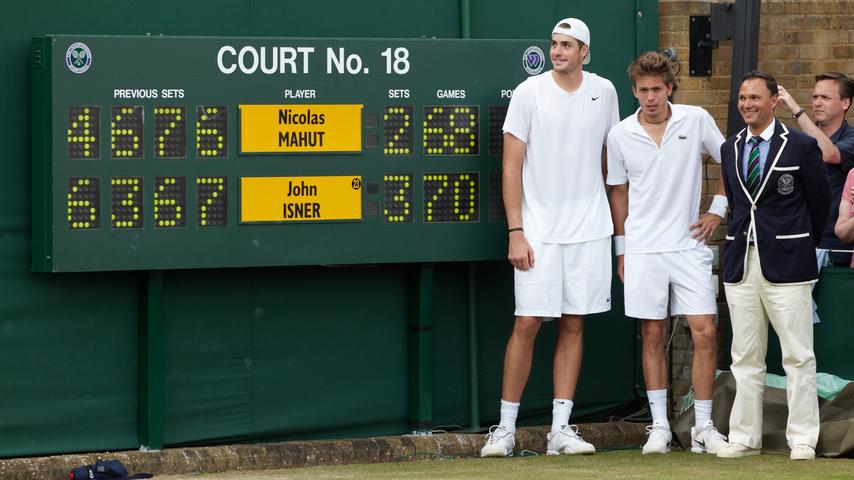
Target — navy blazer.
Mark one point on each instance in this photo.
(787, 216)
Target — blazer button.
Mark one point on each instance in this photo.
(744, 233)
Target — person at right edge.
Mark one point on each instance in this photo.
(779, 198)
(831, 98)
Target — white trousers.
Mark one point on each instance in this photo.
(752, 304)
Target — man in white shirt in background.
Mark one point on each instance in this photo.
(559, 226)
(655, 169)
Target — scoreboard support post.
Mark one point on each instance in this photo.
(421, 352)
(151, 361)
(474, 380)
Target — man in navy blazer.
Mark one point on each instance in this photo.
(779, 197)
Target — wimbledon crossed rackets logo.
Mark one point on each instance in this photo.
(78, 57)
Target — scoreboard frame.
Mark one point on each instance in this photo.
(143, 195)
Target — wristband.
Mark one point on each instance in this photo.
(619, 245)
(514, 229)
(796, 115)
(718, 206)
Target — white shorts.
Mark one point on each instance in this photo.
(567, 279)
(685, 275)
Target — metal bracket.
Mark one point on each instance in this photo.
(723, 20)
(701, 43)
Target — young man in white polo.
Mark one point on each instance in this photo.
(655, 169)
(559, 225)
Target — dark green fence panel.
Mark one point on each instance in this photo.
(834, 335)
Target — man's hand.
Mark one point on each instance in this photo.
(520, 253)
(703, 228)
(621, 262)
(786, 101)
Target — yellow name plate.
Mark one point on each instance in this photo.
(300, 128)
(300, 199)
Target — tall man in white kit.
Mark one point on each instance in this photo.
(655, 170)
(559, 225)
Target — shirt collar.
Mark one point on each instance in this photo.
(767, 133)
(840, 132)
(676, 114)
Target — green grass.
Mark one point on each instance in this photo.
(606, 465)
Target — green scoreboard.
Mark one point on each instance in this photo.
(174, 152)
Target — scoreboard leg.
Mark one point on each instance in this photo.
(421, 352)
(150, 350)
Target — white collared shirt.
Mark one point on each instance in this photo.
(764, 147)
(664, 181)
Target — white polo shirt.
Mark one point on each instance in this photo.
(563, 196)
(664, 182)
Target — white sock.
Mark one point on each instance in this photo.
(509, 412)
(561, 409)
(658, 406)
(702, 412)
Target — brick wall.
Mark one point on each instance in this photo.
(797, 40)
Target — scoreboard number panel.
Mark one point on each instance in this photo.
(212, 201)
(397, 122)
(451, 129)
(451, 197)
(211, 131)
(84, 131)
(126, 202)
(248, 152)
(397, 198)
(170, 132)
(83, 203)
(170, 198)
(126, 131)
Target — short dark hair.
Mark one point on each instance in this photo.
(845, 83)
(770, 82)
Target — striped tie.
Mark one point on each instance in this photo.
(754, 178)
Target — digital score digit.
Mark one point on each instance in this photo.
(211, 131)
(212, 201)
(451, 130)
(126, 132)
(84, 132)
(82, 202)
(126, 202)
(170, 194)
(397, 121)
(497, 114)
(451, 197)
(397, 198)
(170, 132)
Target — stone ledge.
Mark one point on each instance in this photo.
(223, 458)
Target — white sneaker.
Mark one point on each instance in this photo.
(567, 441)
(499, 442)
(707, 439)
(737, 450)
(802, 452)
(659, 439)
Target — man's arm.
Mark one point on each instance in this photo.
(829, 151)
(845, 222)
(816, 188)
(705, 226)
(619, 200)
(520, 253)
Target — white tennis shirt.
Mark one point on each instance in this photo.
(563, 195)
(664, 181)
